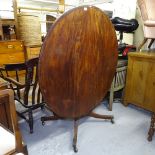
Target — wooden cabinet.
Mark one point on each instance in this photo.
(140, 82)
(12, 52)
(15, 52)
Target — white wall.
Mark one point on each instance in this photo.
(125, 9)
(6, 9)
(121, 8)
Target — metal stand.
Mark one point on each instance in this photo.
(92, 114)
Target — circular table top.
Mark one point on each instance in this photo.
(78, 61)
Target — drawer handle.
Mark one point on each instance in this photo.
(11, 57)
(10, 46)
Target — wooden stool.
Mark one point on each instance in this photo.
(118, 80)
(152, 128)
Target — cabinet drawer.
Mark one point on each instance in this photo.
(33, 56)
(33, 52)
(14, 57)
(11, 46)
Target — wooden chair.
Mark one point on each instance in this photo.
(25, 86)
(152, 128)
(118, 82)
(148, 17)
(10, 143)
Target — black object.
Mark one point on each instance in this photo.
(124, 26)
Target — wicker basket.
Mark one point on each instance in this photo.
(29, 29)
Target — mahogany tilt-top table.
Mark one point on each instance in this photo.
(77, 64)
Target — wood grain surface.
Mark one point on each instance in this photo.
(78, 61)
(140, 80)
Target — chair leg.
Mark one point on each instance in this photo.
(42, 107)
(151, 42)
(152, 128)
(30, 120)
(111, 97)
(140, 46)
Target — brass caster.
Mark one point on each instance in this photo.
(42, 108)
(149, 138)
(75, 148)
(112, 121)
(43, 123)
